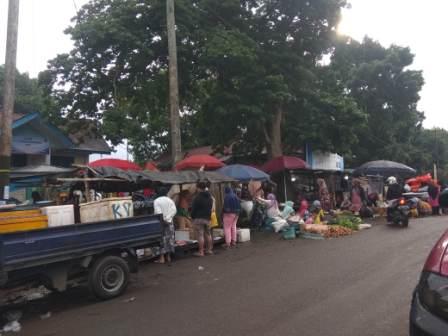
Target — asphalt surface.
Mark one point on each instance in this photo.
(358, 285)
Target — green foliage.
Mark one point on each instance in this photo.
(431, 146)
(380, 82)
(243, 66)
(30, 96)
(348, 221)
(240, 64)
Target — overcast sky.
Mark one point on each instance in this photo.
(414, 23)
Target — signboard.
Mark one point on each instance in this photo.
(30, 144)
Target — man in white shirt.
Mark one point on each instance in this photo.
(167, 208)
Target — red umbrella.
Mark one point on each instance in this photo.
(115, 163)
(199, 161)
(150, 166)
(282, 163)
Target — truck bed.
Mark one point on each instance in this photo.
(39, 247)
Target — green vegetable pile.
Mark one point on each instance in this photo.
(349, 221)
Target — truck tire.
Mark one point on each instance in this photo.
(108, 277)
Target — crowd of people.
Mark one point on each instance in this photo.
(256, 204)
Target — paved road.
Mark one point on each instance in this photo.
(360, 285)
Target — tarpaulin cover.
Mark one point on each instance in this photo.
(183, 177)
(115, 163)
(199, 161)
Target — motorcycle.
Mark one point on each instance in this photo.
(398, 212)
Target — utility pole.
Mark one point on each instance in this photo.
(176, 144)
(9, 97)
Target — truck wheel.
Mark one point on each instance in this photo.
(108, 277)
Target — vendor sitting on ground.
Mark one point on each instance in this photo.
(317, 213)
(288, 210)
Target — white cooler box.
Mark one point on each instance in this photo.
(243, 235)
(106, 209)
(59, 215)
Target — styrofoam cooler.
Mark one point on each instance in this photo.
(106, 209)
(243, 235)
(182, 235)
(59, 215)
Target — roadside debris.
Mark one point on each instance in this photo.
(201, 268)
(45, 316)
(13, 317)
(13, 326)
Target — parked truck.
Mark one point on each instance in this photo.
(100, 254)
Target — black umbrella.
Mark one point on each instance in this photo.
(384, 168)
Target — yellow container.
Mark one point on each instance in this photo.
(20, 213)
(16, 224)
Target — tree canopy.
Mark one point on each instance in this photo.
(249, 74)
(383, 86)
(254, 74)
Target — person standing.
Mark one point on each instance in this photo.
(201, 212)
(324, 194)
(167, 208)
(231, 212)
(434, 193)
(358, 196)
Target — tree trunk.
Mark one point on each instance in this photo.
(276, 147)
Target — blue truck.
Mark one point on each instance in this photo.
(100, 254)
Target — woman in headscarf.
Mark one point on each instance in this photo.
(324, 195)
(273, 212)
(231, 212)
(434, 193)
(288, 210)
(272, 206)
(358, 196)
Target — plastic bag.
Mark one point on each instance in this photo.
(214, 220)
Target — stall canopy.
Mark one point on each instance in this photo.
(384, 168)
(199, 161)
(283, 163)
(41, 170)
(115, 163)
(184, 177)
(244, 173)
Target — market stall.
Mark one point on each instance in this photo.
(280, 169)
(110, 181)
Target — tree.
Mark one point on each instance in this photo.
(268, 93)
(248, 72)
(429, 147)
(383, 86)
(30, 96)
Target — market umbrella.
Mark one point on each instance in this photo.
(243, 173)
(384, 168)
(283, 163)
(150, 166)
(115, 163)
(198, 161)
